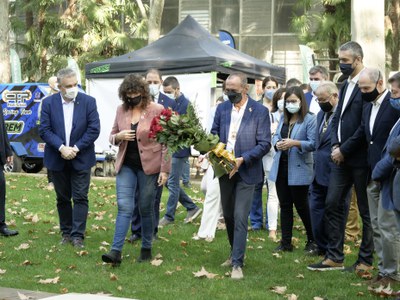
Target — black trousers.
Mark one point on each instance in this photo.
(341, 179)
(289, 195)
(2, 198)
(70, 183)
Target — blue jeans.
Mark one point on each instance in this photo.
(256, 212)
(236, 198)
(175, 191)
(186, 172)
(128, 181)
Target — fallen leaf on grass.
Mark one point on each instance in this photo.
(158, 256)
(356, 284)
(82, 253)
(71, 267)
(156, 262)
(346, 249)
(57, 271)
(292, 297)
(102, 248)
(113, 277)
(184, 243)
(279, 289)
(301, 276)
(276, 255)
(24, 297)
(35, 219)
(360, 294)
(119, 288)
(383, 291)
(179, 268)
(104, 243)
(63, 290)
(2, 271)
(169, 273)
(163, 238)
(23, 246)
(318, 298)
(203, 273)
(27, 263)
(296, 261)
(50, 280)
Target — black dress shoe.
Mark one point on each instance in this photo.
(113, 258)
(134, 237)
(283, 248)
(145, 255)
(8, 232)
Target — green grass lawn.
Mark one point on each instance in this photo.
(32, 210)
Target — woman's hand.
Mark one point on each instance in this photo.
(162, 178)
(126, 135)
(286, 144)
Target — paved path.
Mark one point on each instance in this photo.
(12, 294)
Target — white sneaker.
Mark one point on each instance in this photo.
(237, 273)
(192, 214)
(164, 222)
(227, 263)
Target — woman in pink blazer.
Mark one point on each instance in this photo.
(141, 164)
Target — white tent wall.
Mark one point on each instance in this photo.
(196, 87)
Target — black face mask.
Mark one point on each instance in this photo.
(234, 97)
(346, 69)
(326, 106)
(132, 102)
(371, 96)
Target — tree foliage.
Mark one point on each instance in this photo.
(85, 30)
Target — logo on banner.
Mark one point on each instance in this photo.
(16, 98)
(100, 69)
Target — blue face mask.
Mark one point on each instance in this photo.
(170, 95)
(269, 94)
(395, 102)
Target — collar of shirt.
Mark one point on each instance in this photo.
(242, 108)
(380, 99)
(66, 102)
(354, 80)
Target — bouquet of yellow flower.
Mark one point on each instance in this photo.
(181, 131)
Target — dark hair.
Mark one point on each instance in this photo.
(395, 78)
(155, 71)
(172, 82)
(297, 91)
(293, 82)
(277, 96)
(134, 83)
(354, 47)
(267, 79)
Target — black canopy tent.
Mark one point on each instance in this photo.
(188, 48)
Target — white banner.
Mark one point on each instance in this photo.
(196, 87)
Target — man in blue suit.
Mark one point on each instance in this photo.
(153, 78)
(176, 193)
(378, 119)
(349, 153)
(69, 124)
(244, 126)
(316, 75)
(327, 95)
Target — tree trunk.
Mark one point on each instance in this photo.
(394, 16)
(28, 16)
(156, 10)
(5, 67)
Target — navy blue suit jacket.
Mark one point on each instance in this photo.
(85, 130)
(322, 155)
(166, 101)
(384, 171)
(387, 116)
(308, 97)
(181, 105)
(253, 139)
(353, 144)
(5, 149)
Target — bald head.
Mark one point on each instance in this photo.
(371, 78)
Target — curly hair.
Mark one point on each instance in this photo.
(134, 83)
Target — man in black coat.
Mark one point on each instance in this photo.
(5, 158)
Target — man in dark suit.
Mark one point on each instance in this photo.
(316, 75)
(386, 235)
(153, 78)
(69, 124)
(327, 95)
(349, 153)
(244, 126)
(6, 157)
(176, 193)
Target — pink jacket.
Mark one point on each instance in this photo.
(152, 154)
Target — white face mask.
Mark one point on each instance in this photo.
(225, 97)
(154, 89)
(71, 93)
(314, 84)
(170, 95)
(280, 104)
(293, 107)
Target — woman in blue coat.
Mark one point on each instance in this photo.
(292, 169)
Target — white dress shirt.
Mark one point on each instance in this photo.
(236, 120)
(68, 110)
(314, 106)
(375, 109)
(352, 82)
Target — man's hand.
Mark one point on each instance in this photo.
(337, 156)
(239, 162)
(162, 178)
(68, 153)
(9, 160)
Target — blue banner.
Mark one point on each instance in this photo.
(227, 38)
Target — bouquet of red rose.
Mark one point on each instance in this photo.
(181, 131)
